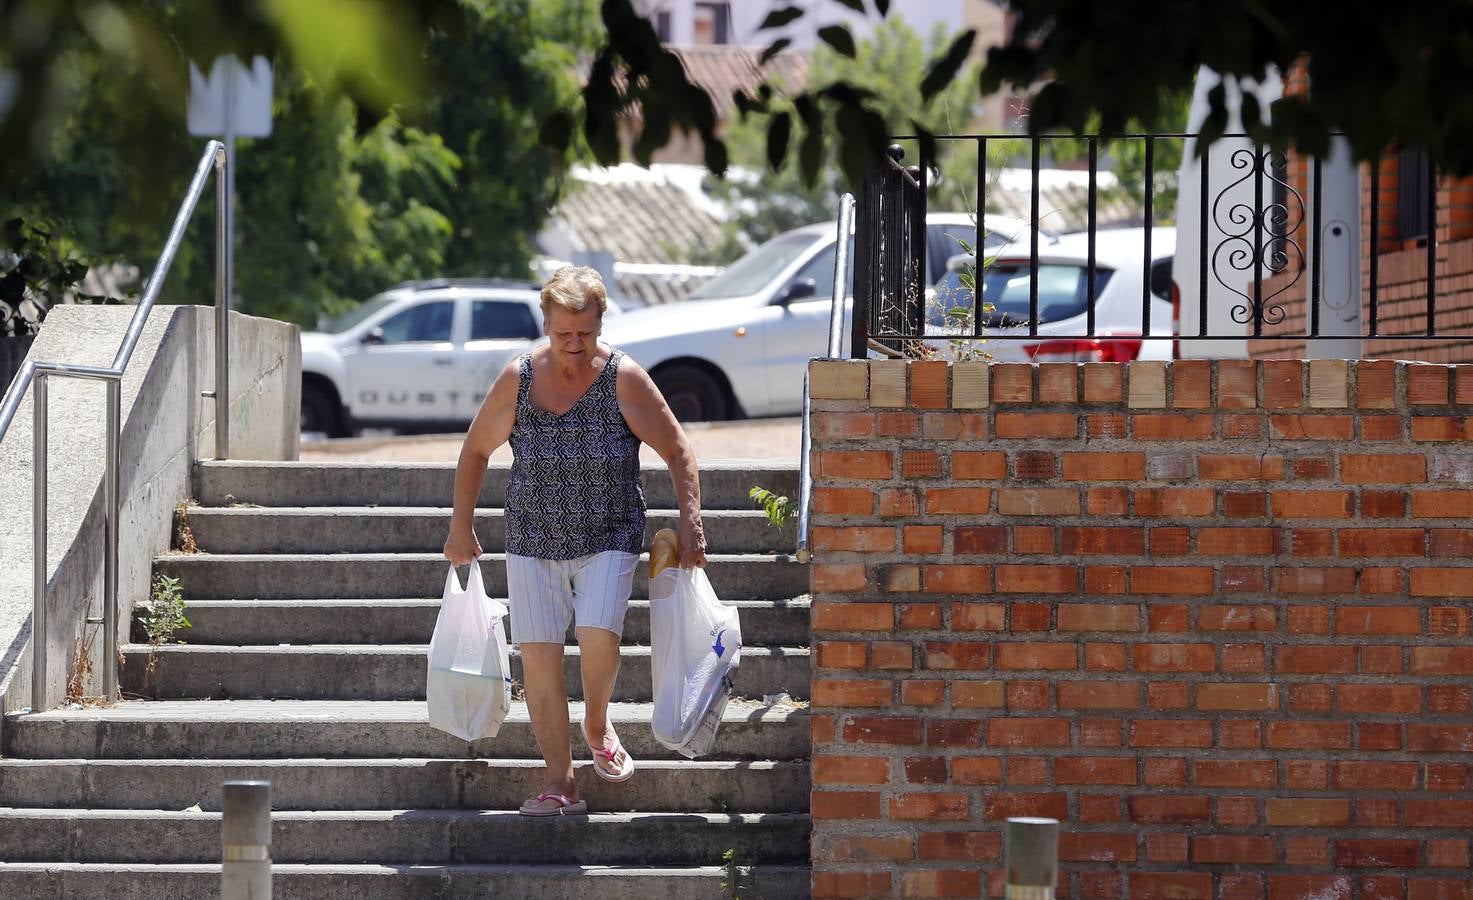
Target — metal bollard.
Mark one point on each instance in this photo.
(1031, 856)
(245, 841)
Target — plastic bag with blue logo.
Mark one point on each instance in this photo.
(468, 686)
(695, 645)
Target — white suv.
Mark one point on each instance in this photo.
(417, 357)
(739, 345)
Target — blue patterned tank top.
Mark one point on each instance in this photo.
(574, 488)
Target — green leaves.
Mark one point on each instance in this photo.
(777, 507)
(778, 132)
(944, 69)
(773, 49)
(780, 17)
(556, 131)
(838, 37)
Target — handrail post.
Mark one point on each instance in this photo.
(841, 272)
(805, 477)
(38, 545)
(114, 524)
(245, 841)
(836, 341)
(224, 269)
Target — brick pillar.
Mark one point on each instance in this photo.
(1213, 616)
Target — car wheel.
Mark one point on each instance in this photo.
(692, 394)
(321, 412)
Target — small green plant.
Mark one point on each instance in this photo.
(777, 506)
(162, 616)
(719, 803)
(738, 882)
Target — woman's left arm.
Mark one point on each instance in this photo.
(651, 420)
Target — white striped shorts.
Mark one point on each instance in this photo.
(547, 594)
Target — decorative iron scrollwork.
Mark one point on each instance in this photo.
(1258, 234)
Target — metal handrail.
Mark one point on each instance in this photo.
(836, 341)
(216, 159)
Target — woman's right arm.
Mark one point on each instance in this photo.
(490, 429)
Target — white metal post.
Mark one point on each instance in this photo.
(38, 546)
(245, 839)
(1031, 857)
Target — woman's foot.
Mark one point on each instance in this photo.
(610, 760)
(553, 803)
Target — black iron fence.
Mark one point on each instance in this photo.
(1250, 258)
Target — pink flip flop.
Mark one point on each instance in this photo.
(565, 807)
(608, 755)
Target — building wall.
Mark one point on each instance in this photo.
(1212, 615)
(1402, 267)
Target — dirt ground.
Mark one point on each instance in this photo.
(747, 439)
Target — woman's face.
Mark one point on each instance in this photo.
(573, 335)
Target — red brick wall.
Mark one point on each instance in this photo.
(1213, 616)
(1402, 275)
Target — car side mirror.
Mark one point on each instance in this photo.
(376, 336)
(797, 289)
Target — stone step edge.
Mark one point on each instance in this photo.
(387, 816)
(148, 710)
(630, 650)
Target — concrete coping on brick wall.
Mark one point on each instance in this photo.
(1273, 384)
(166, 426)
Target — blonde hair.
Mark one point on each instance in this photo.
(573, 288)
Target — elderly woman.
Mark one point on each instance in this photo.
(575, 411)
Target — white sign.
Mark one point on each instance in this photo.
(234, 100)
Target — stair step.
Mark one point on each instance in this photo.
(724, 484)
(399, 621)
(274, 729)
(222, 576)
(143, 881)
(318, 784)
(397, 672)
(417, 836)
(357, 529)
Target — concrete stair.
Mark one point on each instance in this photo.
(150, 881)
(313, 597)
(396, 672)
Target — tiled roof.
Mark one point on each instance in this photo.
(653, 221)
(1063, 199)
(723, 70)
(639, 215)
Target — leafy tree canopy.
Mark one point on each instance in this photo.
(769, 199)
(1382, 76)
(362, 182)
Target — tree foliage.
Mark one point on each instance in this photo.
(769, 197)
(1382, 76)
(433, 169)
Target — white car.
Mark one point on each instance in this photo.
(740, 344)
(1063, 281)
(418, 357)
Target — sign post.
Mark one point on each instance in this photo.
(232, 102)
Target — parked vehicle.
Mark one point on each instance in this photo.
(417, 357)
(739, 345)
(1063, 293)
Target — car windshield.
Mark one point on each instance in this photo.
(1062, 293)
(754, 271)
(344, 321)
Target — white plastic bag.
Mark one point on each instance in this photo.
(469, 682)
(695, 644)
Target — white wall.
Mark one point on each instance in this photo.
(747, 15)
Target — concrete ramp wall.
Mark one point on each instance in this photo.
(167, 425)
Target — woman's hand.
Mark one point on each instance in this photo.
(462, 548)
(692, 543)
